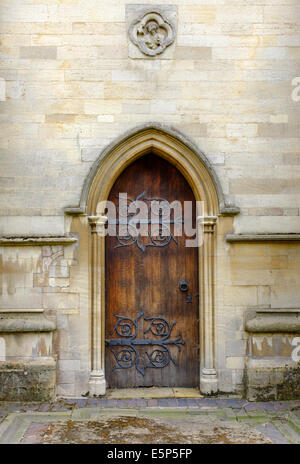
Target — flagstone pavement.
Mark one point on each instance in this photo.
(150, 420)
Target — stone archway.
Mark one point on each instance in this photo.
(172, 146)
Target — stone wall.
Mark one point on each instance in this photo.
(71, 89)
(73, 85)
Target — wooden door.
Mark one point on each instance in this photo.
(152, 327)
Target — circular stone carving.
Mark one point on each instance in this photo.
(152, 33)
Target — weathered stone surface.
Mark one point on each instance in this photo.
(273, 321)
(29, 241)
(15, 323)
(289, 388)
(262, 345)
(272, 379)
(28, 381)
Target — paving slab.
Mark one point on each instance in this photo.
(273, 433)
(102, 427)
(178, 420)
(284, 427)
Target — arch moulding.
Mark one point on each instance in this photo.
(195, 167)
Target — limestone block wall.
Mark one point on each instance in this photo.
(255, 276)
(69, 88)
(35, 289)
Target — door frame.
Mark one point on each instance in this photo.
(195, 167)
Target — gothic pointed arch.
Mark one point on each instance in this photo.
(167, 143)
(192, 163)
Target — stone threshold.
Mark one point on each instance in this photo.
(153, 393)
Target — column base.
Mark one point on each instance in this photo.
(208, 381)
(97, 383)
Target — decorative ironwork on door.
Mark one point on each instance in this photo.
(128, 355)
(159, 233)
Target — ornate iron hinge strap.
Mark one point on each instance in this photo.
(128, 355)
(163, 235)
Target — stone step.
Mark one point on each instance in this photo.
(287, 431)
(294, 421)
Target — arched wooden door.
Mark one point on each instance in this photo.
(152, 327)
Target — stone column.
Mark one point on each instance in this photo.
(208, 374)
(97, 383)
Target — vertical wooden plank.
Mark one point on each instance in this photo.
(149, 281)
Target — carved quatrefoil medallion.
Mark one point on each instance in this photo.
(152, 33)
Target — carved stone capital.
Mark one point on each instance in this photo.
(97, 224)
(208, 223)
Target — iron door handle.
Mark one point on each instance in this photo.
(183, 285)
